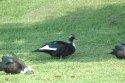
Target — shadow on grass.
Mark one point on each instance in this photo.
(95, 30)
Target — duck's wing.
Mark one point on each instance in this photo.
(19, 61)
(119, 47)
(56, 44)
(14, 67)
(12, 58)
(7, 59)
(123, 44)
(53, 45)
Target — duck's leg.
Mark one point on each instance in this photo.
(62, 57)
(61, 53)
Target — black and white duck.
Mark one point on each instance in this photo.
(11, 64)
(119, 51)
(59, 49)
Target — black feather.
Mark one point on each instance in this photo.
(11, 64)
(63, 49)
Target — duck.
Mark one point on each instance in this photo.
(119, 51)
(59, 49)
(10, 64)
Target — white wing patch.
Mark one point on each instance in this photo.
(47, 48)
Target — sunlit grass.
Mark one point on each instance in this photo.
(98, 25)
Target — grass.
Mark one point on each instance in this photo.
(98, 26)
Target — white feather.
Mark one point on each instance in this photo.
(74, 44)
(47, 48)
(27, 70)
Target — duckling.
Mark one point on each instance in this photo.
(59, 49)
(11, 64)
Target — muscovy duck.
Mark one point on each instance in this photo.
(59, 49)
(119, 51)
(11, 64)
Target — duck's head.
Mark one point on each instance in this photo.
(71, 37)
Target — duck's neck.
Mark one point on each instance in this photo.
(72, 43)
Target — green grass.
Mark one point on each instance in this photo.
(97, 24)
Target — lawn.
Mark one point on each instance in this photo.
(98, 25)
